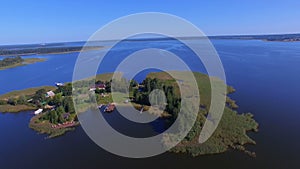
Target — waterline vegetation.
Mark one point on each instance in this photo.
(11, 62)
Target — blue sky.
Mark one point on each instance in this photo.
(34, 21)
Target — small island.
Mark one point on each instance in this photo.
(55, 113)
(11, 62)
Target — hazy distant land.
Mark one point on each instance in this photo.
(67, 47)
(19, 50)
(275, 37)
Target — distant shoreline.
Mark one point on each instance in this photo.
(61, 48)
(46, 50)
(266, 38)
(283, 40)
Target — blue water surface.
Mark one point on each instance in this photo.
(264, 74)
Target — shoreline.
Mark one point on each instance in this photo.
(53, 53)
(44, 127)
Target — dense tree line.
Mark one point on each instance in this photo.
(66, 90)
(141, 96)
(22, 100)
(10, 61)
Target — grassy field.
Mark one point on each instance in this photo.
(25, 92)
(26, 62)
(14, 109)
(104, 77)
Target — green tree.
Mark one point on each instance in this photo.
(12, 101)
(108, 87)
(57, 99)
(53, 117)
(22, 100)
(133, 84)
(3, 102)
(68, 104)
(66, 90)
(148, 85)
(60, 111)
(39, 96)
(10, 61)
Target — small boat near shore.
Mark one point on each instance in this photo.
(110, 108)
(58, 84)
(38, 111)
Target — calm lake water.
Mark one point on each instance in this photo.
(265, 75)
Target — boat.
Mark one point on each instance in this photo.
(109, 108)
(59, 84)
(38, 111)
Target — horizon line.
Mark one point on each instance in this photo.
(153, 38)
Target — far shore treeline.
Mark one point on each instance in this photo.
(44, 50)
